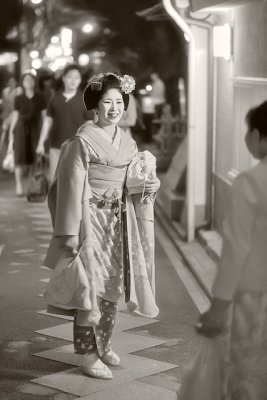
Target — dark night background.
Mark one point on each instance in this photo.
(133, 44)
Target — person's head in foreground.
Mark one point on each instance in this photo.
(256, 136)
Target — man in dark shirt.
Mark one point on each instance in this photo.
(65, 114)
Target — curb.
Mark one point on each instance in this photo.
(196, 258)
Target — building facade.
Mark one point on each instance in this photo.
(227, 54)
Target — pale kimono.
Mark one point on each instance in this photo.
(90, 154)
(242, 279)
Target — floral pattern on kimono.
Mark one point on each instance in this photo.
(107, 169)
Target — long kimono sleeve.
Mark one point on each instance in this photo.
(237, 231)
(70, 186)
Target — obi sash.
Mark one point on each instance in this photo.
(103, 178)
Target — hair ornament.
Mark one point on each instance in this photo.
(127, 82)
(96, 82)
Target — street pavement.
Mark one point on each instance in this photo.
(36, 352)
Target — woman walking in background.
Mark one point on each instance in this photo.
(239, 309)
(25, 127)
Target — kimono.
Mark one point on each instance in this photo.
(242, 280)
(122, 228)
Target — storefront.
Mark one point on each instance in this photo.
(227, 76)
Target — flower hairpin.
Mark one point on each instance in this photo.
(127, 82)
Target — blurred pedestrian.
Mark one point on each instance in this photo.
(239, 309)
(129, 117)
(47, 87)
(7, 106)
(65, 113)
(157, 94)
(8, 99)
(147, 108)
(29, 108)
(94, 166)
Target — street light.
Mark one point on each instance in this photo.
(34, 54)
(87, 28)
(222, 41)
(54, 39)
(37, 63)
(83, 59)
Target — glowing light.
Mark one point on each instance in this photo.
(222, 41)
(35, 2)
(54, 39)
(87, 28)
(148, 88)
(142, 91)
(186, 36)
(8, 58)
(53, 51)
(97, 61)
(83, 59)
(37, 63)
(59, 63)
(66, 41)
(34, 54)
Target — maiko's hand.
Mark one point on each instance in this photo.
(152, 185)
(69, 245)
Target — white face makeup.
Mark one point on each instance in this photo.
(110, 108)
(72, 80)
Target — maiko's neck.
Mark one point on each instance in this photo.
(109, 129)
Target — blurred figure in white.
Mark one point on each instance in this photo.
(157, 94)
(238, 312)
(7, 106)
(129, 117)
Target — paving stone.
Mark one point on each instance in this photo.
(60, 316)
(122, 343)
(39, 216)
(19, 264)
(132, 391)
(44, 237)
(44, 267)
(75, 382)
(43, 229)
(44, 245)
(124, 322)
(162, 381)
(23, 251)
(41, 222)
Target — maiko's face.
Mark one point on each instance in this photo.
(110, 108)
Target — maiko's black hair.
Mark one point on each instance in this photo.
(256, 118)
(92, 97)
